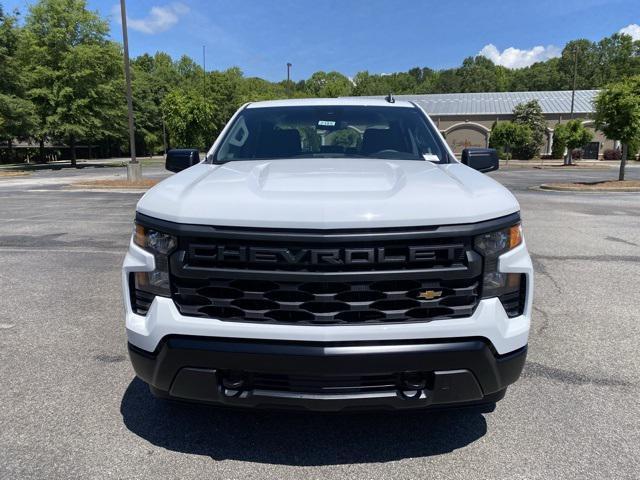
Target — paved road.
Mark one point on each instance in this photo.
(70, 406)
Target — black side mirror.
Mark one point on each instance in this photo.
(482, 159)
(180, 158)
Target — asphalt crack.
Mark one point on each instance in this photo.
(545, 320)
(540, 267)
(621, 240)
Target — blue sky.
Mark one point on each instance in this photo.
(381, 36)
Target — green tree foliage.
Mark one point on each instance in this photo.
(328, 84)
(571, 135)
(558, 148)
(73, 73)
(509, 138)
(153, 77)
(618, 114)
(479, 74)
(17, 114)
(529, 114)
(190, 119)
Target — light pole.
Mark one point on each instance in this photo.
(568, 160)
(134, 172)
(289, 78)
(204, 72)
(575, 76)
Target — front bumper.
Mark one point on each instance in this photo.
(454, 373)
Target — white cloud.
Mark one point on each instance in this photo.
(633, 30)
(515, 58)
(159, 19)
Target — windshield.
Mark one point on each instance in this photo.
(331, 131)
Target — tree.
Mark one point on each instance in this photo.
(189, 118)
(73, 73)
(508, 137)
(618, 114)
(618, 56)
(479, 74)
(17, 115)
(328, 84)
(571, 135)
(530, 115)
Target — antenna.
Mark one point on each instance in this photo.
(389, 98)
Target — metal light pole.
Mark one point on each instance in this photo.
(134, 172)
(568, 160)
(575, 76)
(204, 72)
(289, 78)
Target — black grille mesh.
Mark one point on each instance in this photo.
(325, 303)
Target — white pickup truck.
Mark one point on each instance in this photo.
(329, 254)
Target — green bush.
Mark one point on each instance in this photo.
(530, 115)
(573, 135)
(558, 147)
(510, 139)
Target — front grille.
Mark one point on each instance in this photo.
(319, 279)
(325, 303)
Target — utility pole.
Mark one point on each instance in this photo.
(289, 78)
(575, 76)
(164, 137)
(568, 160)
(204, 72)
(134, 171)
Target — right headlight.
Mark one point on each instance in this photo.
(161, 245)
(507, 286)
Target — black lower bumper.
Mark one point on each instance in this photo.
(328, 376)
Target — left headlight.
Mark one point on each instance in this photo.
(161, 245)
(509, 287)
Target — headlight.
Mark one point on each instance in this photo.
(161, 245)
(499, 242)
(509, 287)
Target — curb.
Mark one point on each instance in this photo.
(579, 189)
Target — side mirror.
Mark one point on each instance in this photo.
(482, 159)
(180, 158)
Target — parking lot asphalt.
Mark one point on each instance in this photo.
(70, 406)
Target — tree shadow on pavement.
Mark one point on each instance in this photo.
(299, 439)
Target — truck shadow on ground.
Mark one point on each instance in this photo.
(299, 439)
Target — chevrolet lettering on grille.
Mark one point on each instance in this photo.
(322, 256)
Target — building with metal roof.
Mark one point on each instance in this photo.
(502, 103)
(465, 119)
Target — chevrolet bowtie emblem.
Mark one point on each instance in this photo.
(430, 294)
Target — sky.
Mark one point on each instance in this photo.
(381, 36)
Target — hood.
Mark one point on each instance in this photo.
(328, 193)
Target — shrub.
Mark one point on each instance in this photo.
(510, 139)
(576, 154)
(558, 147)
(612, 154)
(530, 114)
(574, 135)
